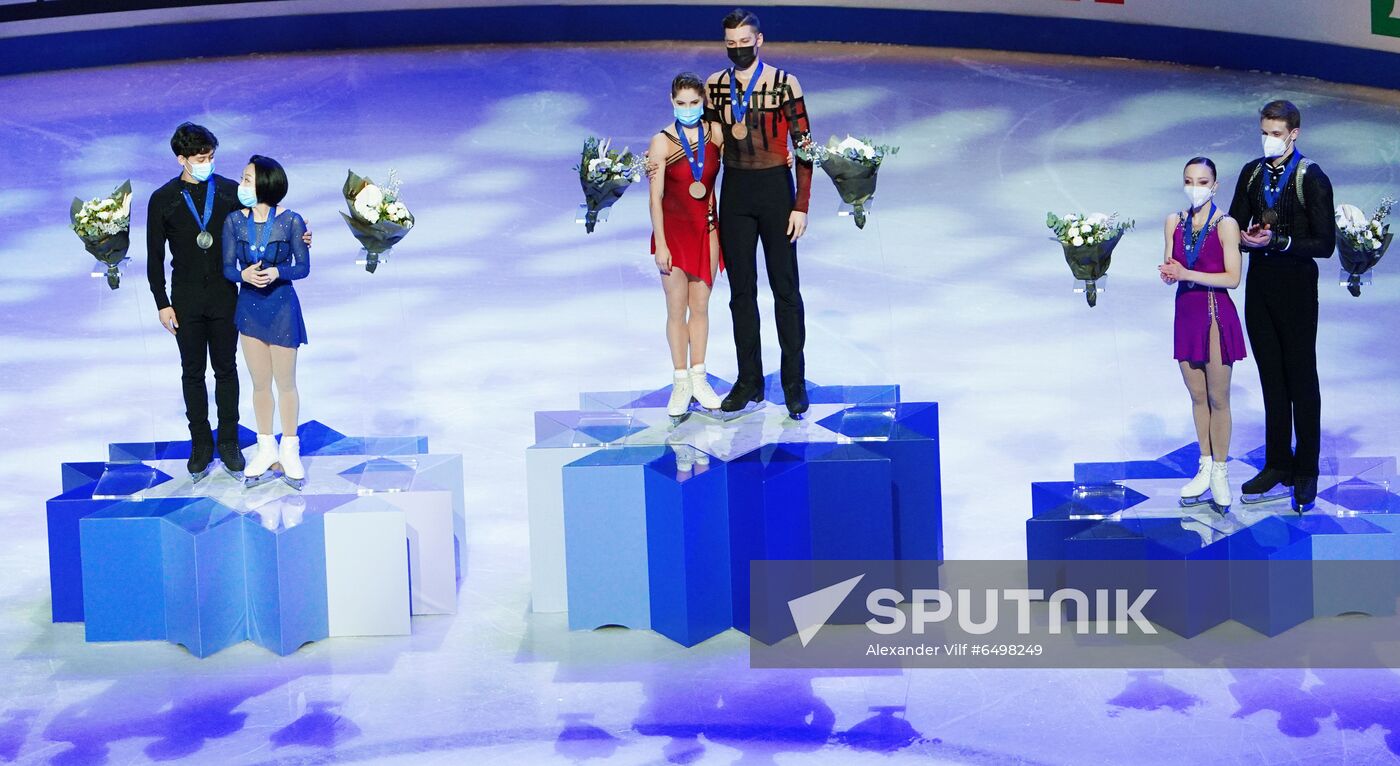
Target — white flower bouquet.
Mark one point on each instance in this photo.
(852, 164)
(605, 173)
(1361, 241)
(1088, 242)
(377, 218)
(104, 226)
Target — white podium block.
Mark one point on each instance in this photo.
(432, 561)
(544, 481)
(367, 569)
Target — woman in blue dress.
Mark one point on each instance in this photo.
(263, 252)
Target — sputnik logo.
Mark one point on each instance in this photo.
(810, 612)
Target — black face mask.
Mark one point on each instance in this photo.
(743, 58)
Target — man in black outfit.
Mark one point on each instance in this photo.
(188, 212)
(1283, 202)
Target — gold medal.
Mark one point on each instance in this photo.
(741, 131)
(697, 190)
(205, 240)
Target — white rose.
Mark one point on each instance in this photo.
(1350, 217)
(1074, 231)
(851, 142)
(1077, 242)
(104, 215)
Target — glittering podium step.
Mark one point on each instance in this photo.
(1262, 565)
(140, 552)
(640, 522)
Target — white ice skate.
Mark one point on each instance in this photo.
(681, 394)
(1220, 487)
(1194, 491)
(292, 470)
(700, 388)
(259, 469)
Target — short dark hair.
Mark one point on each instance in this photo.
(687, 81)
(270, 178)
(742, 18)
(1282, 110)
(1202, 161)
(191, 140)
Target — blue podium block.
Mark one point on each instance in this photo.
(65, 549)
(907, 435)
(123, 569)
(804, 502)
(687, 531)
(1190, 573)
(286, 572)
(1337, 588)
(77, 475)
(1271, 583)
(319, 439)
(605, 538)
(203, 567)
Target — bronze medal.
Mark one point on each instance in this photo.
(697, 190)
(741, 131)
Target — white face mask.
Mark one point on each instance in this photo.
(1199, 195)
(201, 170)
(1274, 147)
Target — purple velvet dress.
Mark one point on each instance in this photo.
(1197, 305)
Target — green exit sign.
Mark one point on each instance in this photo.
(1385, 20)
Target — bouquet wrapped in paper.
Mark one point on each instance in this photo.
(104, 226)
(1361, 241)
(1088, 242)
(605, 173)
(378, 219)
(853, 165)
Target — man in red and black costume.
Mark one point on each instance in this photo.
(761, 107)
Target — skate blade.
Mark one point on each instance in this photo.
(678, 419)
(237, 475)
(256, 481)
(1304, 508)
(196, 478)
(1267, 497)
(1195, 501)
(296, 484)
(796, 415)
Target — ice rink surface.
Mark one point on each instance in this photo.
(498, 305)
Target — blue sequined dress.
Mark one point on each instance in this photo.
(271, 314)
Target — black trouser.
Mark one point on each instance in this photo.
(754, 205)
(1280, 312)
(212, 336)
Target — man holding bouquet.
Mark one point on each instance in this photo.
(1284, 203)
(761, 107)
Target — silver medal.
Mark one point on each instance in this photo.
(205, 240)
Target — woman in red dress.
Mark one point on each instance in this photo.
(685, 238)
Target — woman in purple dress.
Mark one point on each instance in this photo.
(1203, 260)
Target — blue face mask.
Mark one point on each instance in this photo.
(201, 170)
(689, 115)
(247, 195)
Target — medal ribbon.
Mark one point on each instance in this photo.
(741, 108)
(1192, 242)
(695, 157)
(259, 244)
(1273, 194)
(208, 205)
